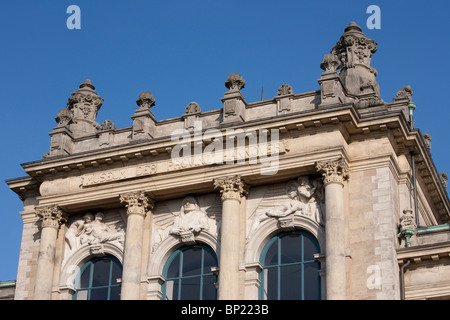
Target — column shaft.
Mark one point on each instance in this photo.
(52, 217)
(334, 174)
(232, 189)
(137, 204)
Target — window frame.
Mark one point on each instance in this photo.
(90, 264)
(262, 293)
(180, 251)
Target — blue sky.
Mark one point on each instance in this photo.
(183, 51)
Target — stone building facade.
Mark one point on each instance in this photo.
(328, 194)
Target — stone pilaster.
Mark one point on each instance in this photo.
(232, 189)
(334, 174)
(137, 204)
(51, 219)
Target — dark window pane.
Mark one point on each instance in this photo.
(190, 288)
(209, 288)
(312, 281)
(175, 295)
(101, 273)
(290, 283)
(116, 273)
(272, 254)
(272, 284)
(99, 294)
(114, 294)
(192, 260)
(209, 261)
(174, 268)
(291, 248)
(85, 276)
(309, 249)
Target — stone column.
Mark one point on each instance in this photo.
(232, 189)
(334, 174)
(137, 204)
(51, 219)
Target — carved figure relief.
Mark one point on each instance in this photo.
(186, 219)
(91, 230)
(304, 197)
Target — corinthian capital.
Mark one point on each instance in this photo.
(333, 171)
(231, 187)
(51, 216)
(137, 202)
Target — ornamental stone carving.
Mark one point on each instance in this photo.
(333, 171)
(192, 108)
(51, 216)
(407, 226)
(285, 89)
(330, 62)
(305, 198)
(107, 125)
(64, 117)
(136, 203)
(92, 230)
(231, 187)
(404, 93)
(145, 100)
(235, 82)
(354, 53)
(444, 178)
(190, 221)
(427, 139)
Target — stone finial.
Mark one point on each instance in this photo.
(145, 100)
(330, 62)
(235, 82)
(354, 52)
(444, 178)
(192, 108)
(427, 139)
(107, 125)
(86, 99)
(285, 89)
(404, 93)
(64, 117)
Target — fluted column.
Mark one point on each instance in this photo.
(51, 219)
(334, 174)
(232, 189)
(137, 204)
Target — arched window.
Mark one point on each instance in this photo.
(189, 276)
(98, 280)
(290, 271)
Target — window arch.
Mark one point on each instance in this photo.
(98, 280)
(188, 273)
(290, 271)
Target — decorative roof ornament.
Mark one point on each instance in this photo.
(85, 98)
(235, 82)
(145, 100)
(404, 93)
(192, 108)
(285, 89)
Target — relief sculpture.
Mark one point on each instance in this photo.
(186, 219)
(303, 197)
(91, 230)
